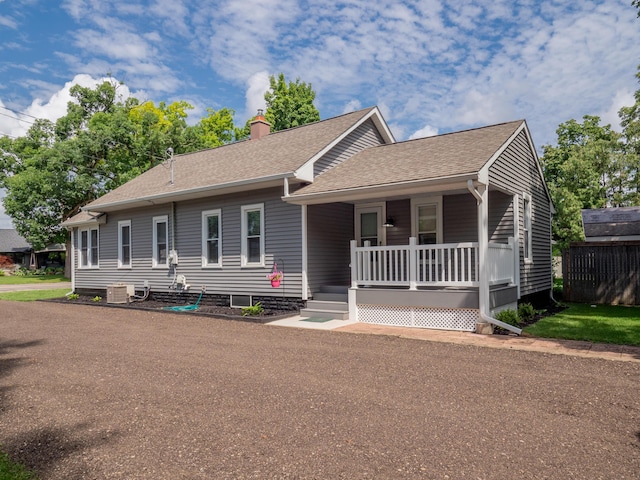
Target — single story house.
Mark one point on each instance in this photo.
(439, 232)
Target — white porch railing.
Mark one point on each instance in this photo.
(412, 266)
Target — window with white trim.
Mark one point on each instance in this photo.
(88, 247)
(212, 238)
(160, 241)
(124, 244)
(426, 224)
(253, 235)
(527, 234)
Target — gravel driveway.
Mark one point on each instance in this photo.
(93, 393)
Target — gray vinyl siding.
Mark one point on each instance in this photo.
(516, 171)
(459, 218)
(500, 217)
(330, 229)
(366, 135)
(400, 211)
(283, 243)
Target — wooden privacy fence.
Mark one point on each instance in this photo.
(602, 273)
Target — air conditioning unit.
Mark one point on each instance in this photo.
(120, 293)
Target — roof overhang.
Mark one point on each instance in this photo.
(457, 183)
(89, 219)
(190, 194)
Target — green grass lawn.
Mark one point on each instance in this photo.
(13, 471)
(32, 295)
(20, 280)
(602, 324)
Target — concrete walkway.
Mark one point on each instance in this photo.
(509, 342)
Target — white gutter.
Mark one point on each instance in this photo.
(363, 192)
(483, 289)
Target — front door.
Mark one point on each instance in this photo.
(369, 225)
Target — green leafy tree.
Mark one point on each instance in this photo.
(214, 130)
(586, 169)
(101, 142)
(289, 104)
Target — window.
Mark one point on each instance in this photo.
(426, 224)
(368, 222)
(253, 235)
(212, 238)
(124, 244)
(160, 241)
(88, 246)
(526, 210)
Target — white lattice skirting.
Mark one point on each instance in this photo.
(463, 319)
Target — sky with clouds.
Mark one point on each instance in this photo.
(432, 66)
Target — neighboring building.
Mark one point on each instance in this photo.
(14, 246)
(616, 224)
(438, 232)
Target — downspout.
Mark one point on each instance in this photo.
(173, 226)
(483, 289)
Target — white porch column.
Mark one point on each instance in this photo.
(413, 264)
(483, 242)
(305, 279)
(354, 265)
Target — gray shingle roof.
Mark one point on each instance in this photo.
(611, 222)
(278, 154)
(11, 241)
(441, 156)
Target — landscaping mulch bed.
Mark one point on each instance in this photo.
(268, 315)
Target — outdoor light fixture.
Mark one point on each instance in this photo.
(389, 223)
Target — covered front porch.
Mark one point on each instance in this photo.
(442, 259)
(429, 286)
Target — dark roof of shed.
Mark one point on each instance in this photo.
(611, 222)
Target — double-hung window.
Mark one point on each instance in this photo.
(212, 238)
(124, 244)
(527, 234)
(253, 235)
(88, 247)
(426, 224)
(160, 241)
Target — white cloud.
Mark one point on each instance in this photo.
(257, 85)
(115, 44)
(8, 22)
(54, 107)
(352, 105)
(622, 98)
(426, 131)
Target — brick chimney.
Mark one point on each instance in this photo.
(259, 126)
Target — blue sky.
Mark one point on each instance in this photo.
(432, 66)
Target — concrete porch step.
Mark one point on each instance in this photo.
(326, 309)
(333, 315)
(331, 297)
